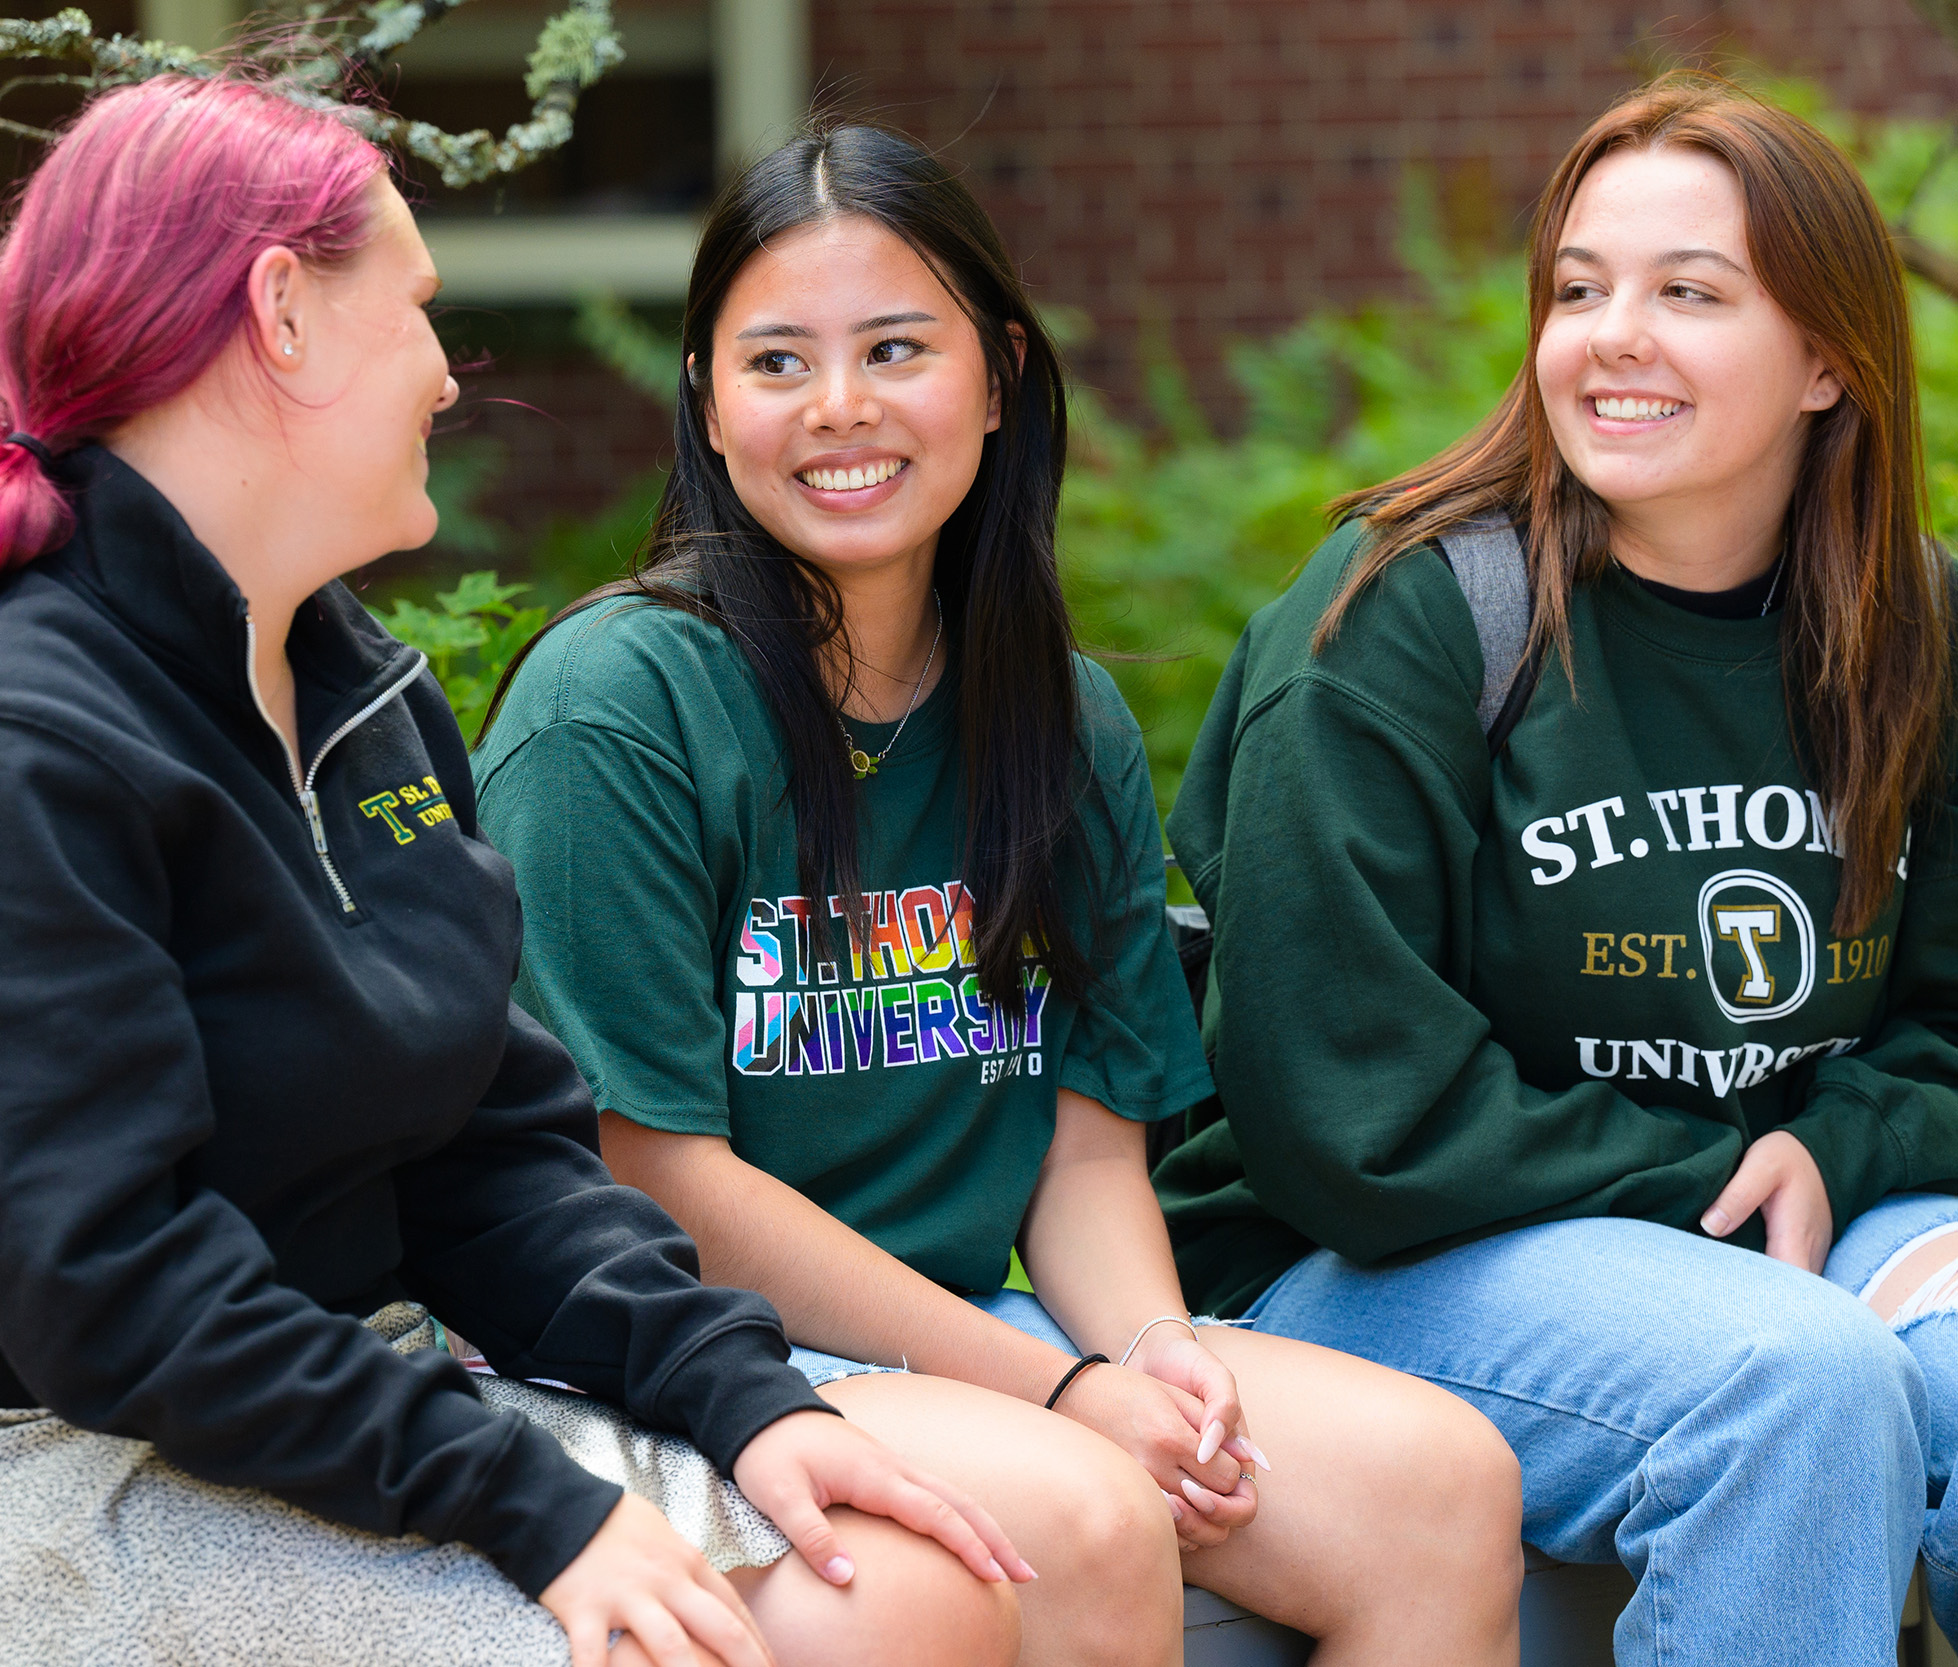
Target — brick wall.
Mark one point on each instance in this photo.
(1220, 165)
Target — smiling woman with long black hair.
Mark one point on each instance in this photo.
(845, 887)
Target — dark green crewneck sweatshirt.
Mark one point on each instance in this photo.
(1450, 996)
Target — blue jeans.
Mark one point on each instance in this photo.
(1016, 1308)
(1933, 1342)
(1748, 1440)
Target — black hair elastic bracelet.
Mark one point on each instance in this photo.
(1072, 1373)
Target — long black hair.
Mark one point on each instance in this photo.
(1005, 619)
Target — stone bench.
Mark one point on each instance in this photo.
(1568, 1613)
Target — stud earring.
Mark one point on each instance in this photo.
(288, 350)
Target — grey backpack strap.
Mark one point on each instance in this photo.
(1488, 562)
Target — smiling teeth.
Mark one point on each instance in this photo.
(851, 480)
(1637, 410)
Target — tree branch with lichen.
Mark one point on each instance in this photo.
(69, 37)
(1926, 260)
(320, 62)
(573, 50)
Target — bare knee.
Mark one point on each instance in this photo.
(933, 1611)
(1437, 1489)
(1458, 1495)
(1122, 1572)
(976, 1621)
(912, 1604)
(628, 1653)
(1481, 1489)
(1121, 1519)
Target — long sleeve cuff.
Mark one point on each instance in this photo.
(537, 1510)
(1853, 1144)
(731, 1388)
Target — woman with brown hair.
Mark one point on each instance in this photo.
(1585, 918)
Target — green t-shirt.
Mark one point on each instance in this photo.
(636, 779)
(1451, 996)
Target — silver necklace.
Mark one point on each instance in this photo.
(861, 761)
(1774, 587)
(1780, 562)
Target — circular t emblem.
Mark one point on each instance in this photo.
(1758, 944)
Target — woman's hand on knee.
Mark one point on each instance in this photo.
(1162, 1426)
(801, 1465)
(636, 1575)
(1779, 1178)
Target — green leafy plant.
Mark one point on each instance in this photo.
(471, 633)
(1910, 170)
(1171, 539)
(461, 469)
(571, 557)
(470, 637)
(642, 357)
(1172, 536)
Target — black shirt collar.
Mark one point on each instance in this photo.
(1748, 601)
(136, 558)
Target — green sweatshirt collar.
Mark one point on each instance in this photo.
(1680, 631)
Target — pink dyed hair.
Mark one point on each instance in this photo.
(123, 275)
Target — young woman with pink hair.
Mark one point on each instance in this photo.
(266, 1103)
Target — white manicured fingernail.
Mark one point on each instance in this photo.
(1197, 1496)
(1715, 1222)
(1213, 1438)
(1263, 1463)
(998, 1573)
(840, 1570)
(1175, 1505)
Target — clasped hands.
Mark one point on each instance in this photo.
(1174, 1409)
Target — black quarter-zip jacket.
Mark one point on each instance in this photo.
(260, 1074)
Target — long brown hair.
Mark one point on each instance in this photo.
(1865, 656)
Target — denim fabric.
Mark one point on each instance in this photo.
(1932, 1339)
(820, 1368)
(1742, 1436)
(1016, 1308)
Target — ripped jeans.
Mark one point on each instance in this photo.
(1751, 1442)
(1928, 1326)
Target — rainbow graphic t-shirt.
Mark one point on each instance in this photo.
(636, 780)
(882, 1013)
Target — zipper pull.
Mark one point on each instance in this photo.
(311, 801)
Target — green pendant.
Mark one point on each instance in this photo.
(862, 763)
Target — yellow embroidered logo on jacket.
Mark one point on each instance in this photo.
(423, 801)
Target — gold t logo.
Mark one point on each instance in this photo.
(1750, 926)
(382, 805)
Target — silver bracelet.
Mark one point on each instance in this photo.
(1178, 1319)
